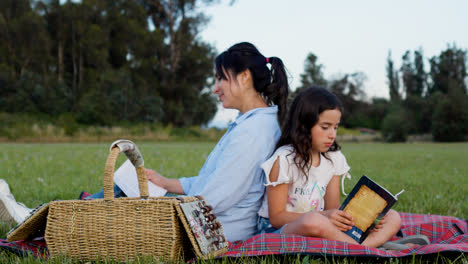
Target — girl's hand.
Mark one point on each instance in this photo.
(342, 220)
(380, 224)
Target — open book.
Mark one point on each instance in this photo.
(126, 178)
(367, 203)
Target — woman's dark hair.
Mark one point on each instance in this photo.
(271, 84)
(303, 115)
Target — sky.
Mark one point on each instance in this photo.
(346, 36)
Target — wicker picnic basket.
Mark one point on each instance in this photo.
(118, 228)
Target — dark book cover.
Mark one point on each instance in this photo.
(367, 203)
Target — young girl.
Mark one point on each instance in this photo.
(303, 176)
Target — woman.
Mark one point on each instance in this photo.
(231, 178)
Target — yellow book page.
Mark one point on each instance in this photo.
(365, 206)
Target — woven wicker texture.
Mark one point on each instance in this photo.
(33, 226)
(118, 229)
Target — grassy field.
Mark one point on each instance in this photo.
(433, 175)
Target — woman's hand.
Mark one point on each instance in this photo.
(342, 220)
(171, 185)
(155, 178)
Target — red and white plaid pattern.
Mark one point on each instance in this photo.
(445, 233)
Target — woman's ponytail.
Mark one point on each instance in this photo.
(277, 91)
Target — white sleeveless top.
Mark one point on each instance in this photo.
(304, 195)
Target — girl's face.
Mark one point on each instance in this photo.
(324, 131)
(228, 91)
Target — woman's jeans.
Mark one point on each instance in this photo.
(99, 195)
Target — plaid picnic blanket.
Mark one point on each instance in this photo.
(446, 233)
(36, 247)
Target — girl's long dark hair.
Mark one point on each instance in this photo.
(271, 84)
(303, 115)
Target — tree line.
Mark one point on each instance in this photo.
(104, 61)
(420, 101)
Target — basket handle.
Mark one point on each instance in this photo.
(134, 155)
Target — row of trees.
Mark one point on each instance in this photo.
(420, 101)
(431, 101)
(102, 61)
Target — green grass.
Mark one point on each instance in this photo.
(433, 175)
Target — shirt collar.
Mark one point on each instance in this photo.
(262, 110)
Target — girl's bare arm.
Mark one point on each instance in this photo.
(340, 219)
(277, 199)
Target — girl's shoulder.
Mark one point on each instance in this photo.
(285, 151)
(335, 155)
(286, 148)
(284, 156)
(338, 162)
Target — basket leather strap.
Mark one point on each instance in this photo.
(131, 151)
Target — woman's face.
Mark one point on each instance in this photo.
(228, 91)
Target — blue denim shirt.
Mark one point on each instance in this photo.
(231, 179)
